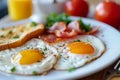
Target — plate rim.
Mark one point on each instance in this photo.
(75, 76)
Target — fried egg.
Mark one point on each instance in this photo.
(78, 51)
(34, 57)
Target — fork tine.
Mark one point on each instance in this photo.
(112, 73)
(117, 66)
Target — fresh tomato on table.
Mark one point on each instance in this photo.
(108, 12)
(77, 8)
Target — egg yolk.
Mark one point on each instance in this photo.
(29, 56)
(80, 48)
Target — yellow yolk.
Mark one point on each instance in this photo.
(28, 56)
(80, 48)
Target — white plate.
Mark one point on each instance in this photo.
(111, 38)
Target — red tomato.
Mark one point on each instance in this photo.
(108, 12)
(77, 8)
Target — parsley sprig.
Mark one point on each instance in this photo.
(52, 18)
(10, 32)
(16, 37)
(77, 40)
(1, 36)
(13, 69)
(71, 69)
(35, 73)
(85, 27)
(33, 24)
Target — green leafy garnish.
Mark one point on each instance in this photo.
(85, 27)
(1, 36)
(43, 52)
(13, 69)
(76, 40)
(45, 49)
(60, 55)
(52, 18)
(71, 69)
(10, 32)
(33, 24)
(35, 73)
(15, 37)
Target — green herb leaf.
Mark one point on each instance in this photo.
(52, 18)
(33, 24)
(43, 52)
(16, 37)
(1, 36)
(10, 32)
(71, 69)
(13, 69)
(35, 73)
(45, 49)
(60, 55)
(85, 27)
(77, 41)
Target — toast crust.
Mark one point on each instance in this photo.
(28, 33)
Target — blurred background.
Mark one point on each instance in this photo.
(4, 8)
(37, 10)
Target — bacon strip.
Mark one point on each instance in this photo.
(65, 34)
(95, 29)
(61, 26)
(75, 25)
(61, 30)
(48, 38)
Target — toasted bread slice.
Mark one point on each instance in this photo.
(15, 36)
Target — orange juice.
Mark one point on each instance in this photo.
(19, 9)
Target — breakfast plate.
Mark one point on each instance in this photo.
(107, 34)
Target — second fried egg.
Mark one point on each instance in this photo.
(78, 51)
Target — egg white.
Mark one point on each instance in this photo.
(7, 63)
(69, 60)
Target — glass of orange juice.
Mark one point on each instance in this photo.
(19, 9)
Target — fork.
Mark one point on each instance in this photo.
(114, 72)
(117, 67)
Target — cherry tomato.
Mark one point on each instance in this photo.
(108, 12)
(77, 8)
